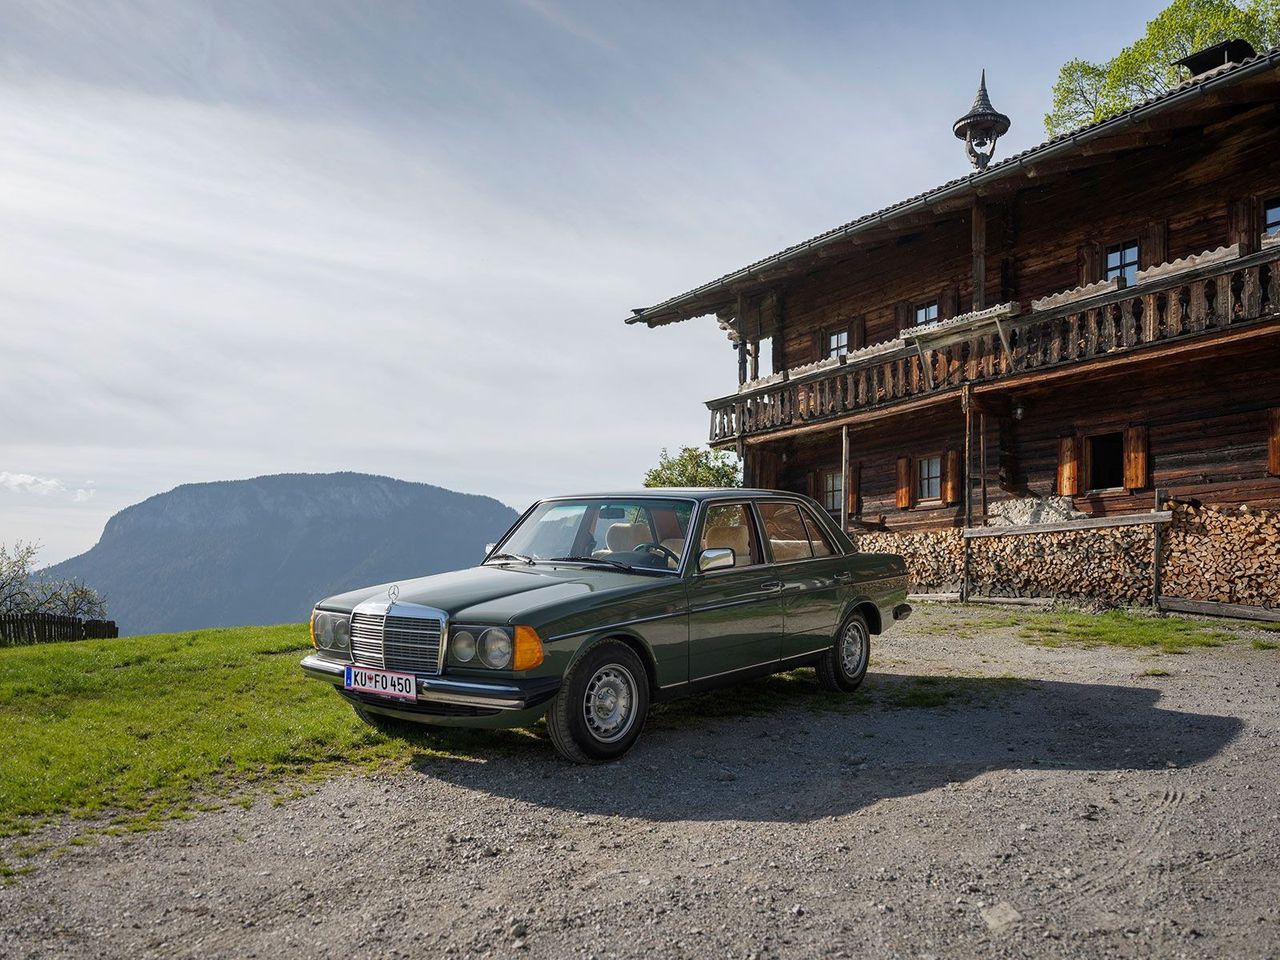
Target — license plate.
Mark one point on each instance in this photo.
(384, 683)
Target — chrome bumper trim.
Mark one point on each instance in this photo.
(493, 696)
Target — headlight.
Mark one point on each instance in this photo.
(463, 645)
(495, 648)
(331, 631)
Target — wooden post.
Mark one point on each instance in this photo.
(982, 456)
(1157, 558)
(742, 361)
(966, 404)
(755, 359)
(844, 478)
(978, 222)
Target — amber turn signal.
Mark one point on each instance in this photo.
(312, 628)
(528, 649)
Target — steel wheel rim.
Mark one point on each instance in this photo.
(852, 649)
(609, 705)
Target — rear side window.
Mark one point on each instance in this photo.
(730, 525)
(785, 530)
(822, 546)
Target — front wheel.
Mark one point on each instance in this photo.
(601, 707)
(845, 664)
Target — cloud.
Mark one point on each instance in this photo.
(29, 483)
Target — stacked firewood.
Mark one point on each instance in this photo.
(1223, 554)
(1110, 566)
(935, 558)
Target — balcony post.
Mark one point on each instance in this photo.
(844, 478)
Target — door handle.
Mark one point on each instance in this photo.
(771, 585)
(845, 577)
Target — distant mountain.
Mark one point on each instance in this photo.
(261, 551)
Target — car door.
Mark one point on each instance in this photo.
(813, 572)
(735, 613)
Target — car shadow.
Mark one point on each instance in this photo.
(782, 749)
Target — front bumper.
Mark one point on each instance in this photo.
(497, 695)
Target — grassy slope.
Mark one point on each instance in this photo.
(138, 726)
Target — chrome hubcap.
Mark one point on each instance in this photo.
(609, 705)
(852, 649)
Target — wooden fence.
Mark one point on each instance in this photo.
(18, 630)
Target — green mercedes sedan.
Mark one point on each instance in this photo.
(593, 607)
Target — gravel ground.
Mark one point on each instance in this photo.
(1092, 811)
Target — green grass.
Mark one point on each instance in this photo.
(1121, 628)
(1260, 644)
(143, 729)
(1155, 672)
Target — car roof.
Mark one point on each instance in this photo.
(685, 493)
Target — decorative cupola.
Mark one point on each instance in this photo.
(981, 127)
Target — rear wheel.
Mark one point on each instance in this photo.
(845, 664)
(601, 707)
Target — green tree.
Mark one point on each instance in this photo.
(1086, 92)
(694, 467)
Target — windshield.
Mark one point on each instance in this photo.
(635, 534)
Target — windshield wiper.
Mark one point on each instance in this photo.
(612, 563)
(510, 556)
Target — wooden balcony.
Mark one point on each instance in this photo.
(1174, 302)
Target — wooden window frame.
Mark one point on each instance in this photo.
(1122, 247)
(924, 306)
(822, 489)
(1084, 476)
(916, 498)
(829, 334)
(1271, 217)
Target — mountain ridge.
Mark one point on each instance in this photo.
(263, 550)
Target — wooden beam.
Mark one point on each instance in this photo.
(1240, 611)
(1066, 526)
(858, 420)
(978, 244)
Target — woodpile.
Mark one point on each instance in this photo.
(1227, 555)
(1219, 554)
(1111, 566)
(935, 558)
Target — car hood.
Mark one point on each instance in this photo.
(494, 594)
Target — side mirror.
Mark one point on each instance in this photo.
(716, 558)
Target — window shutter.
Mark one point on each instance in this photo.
(1273, 443)
(948, 302)
(811, 484)
(1135, 458)
(857, 333)
(1242, 224)
(905, 489)
(951, 478)
(1153, 245)
(1068, 466)
(819, 345)
(852, 482)
(1089, 263)
(903, 312)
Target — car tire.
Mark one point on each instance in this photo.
(843, 667)
(601, 707)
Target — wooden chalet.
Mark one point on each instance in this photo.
(1094, 318)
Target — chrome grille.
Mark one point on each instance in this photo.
(391, 642)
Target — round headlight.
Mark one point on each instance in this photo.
(495, 648)
(464, 645)
(341, 633)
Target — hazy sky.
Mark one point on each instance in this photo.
(240, 238)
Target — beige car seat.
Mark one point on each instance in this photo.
(737, 538)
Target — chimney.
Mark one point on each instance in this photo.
(1213, 58)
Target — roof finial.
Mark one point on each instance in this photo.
(981, 127)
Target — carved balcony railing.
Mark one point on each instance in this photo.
(1172, 302)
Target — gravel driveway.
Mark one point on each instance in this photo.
(1090, 810)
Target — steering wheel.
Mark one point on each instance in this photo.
(658, 549)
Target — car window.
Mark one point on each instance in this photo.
(818, 536)
(634, 533)
(785, 530)
(730, 525)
